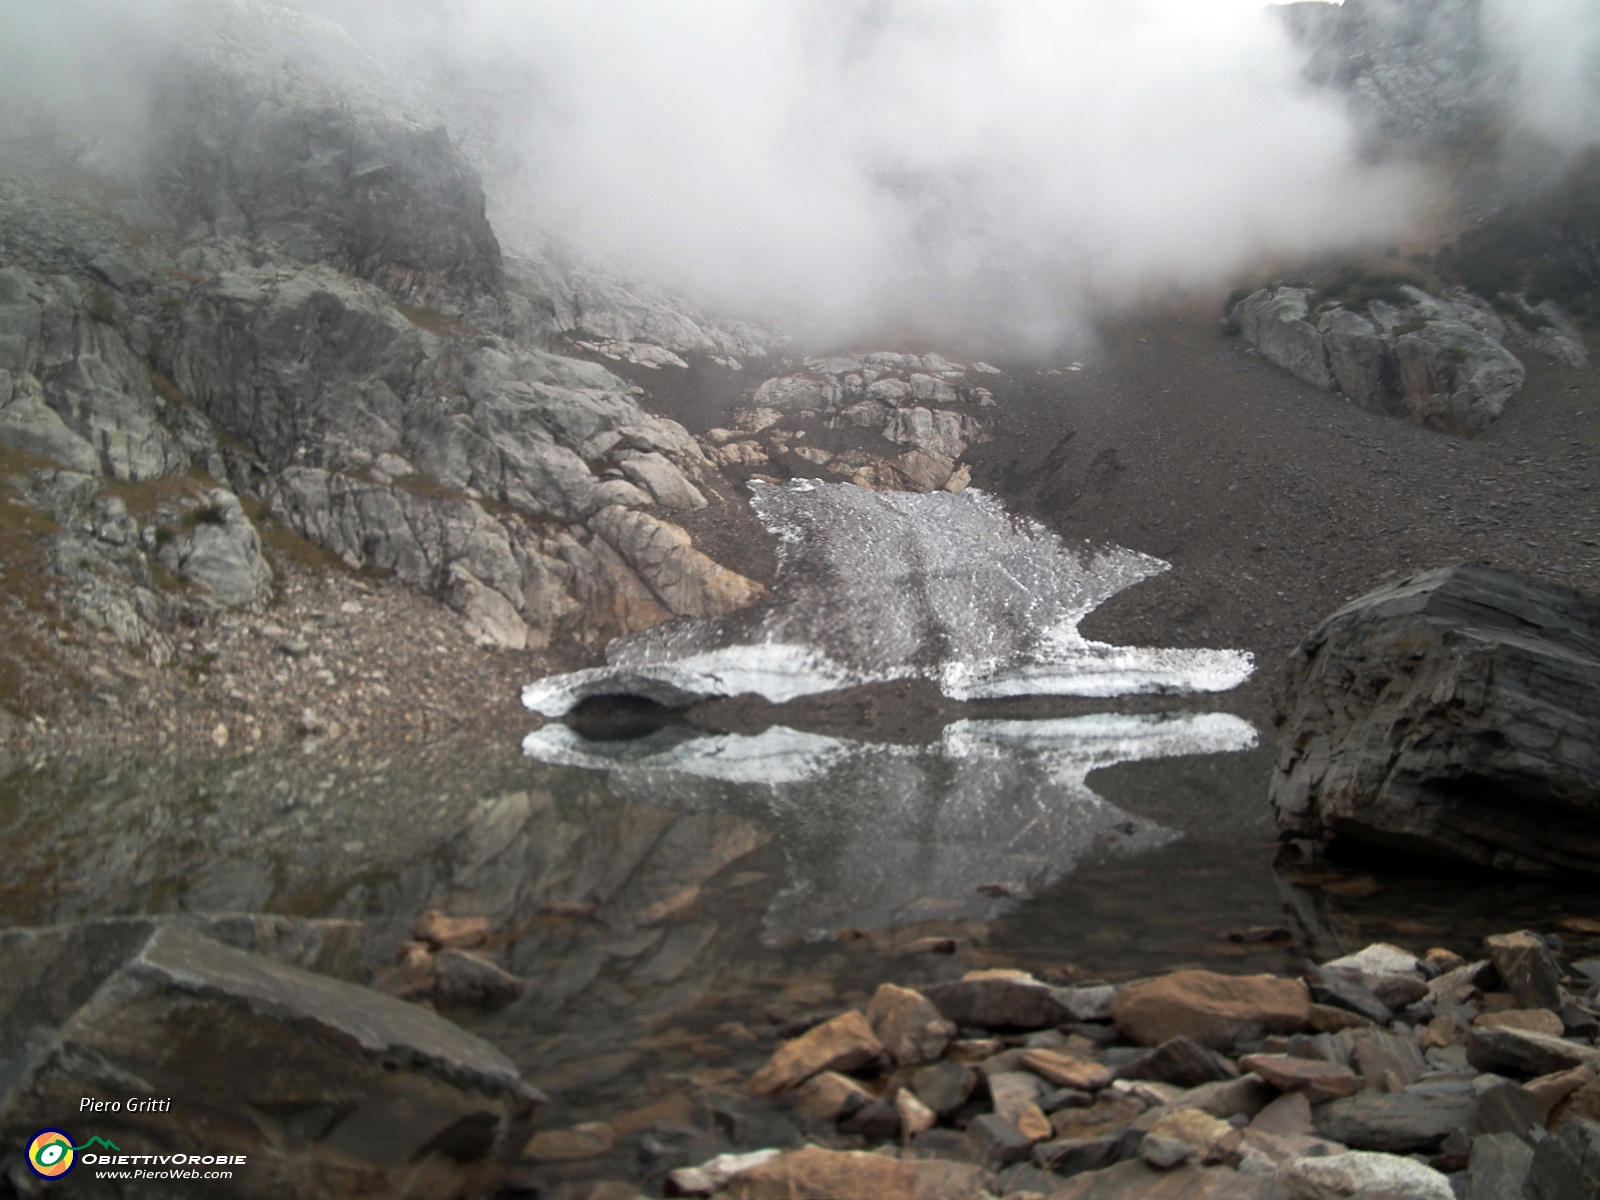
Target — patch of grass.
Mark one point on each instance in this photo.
(1355, 287)
(432, 322)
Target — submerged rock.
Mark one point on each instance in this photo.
(1455, 713)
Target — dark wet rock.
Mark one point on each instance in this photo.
(1522, 1054)
(1179, 1061)
(1001, 1000)
(1566, 1166)
(399, 1097)
(1073, 1156)
(1415, 1119)
(1456, 713)
(1503, 1107)
(1318, 1080)
(944, 1086)
(1527, 969)
(1331, 988)
(877, 1121)
(464, 978)
(995, 1141)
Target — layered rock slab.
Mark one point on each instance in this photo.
(355, 1092)
(1456, 713)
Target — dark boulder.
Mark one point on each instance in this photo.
(1455, 713)
(326, 1088)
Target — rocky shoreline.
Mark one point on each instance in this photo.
(1378, 1073)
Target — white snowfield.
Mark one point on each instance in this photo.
(876, 586)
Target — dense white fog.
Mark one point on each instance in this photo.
(859, 160)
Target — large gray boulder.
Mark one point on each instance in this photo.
(328, 1089)
(1439, 363)
(1455, 713)
(221, 554)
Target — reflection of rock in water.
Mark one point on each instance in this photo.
(880, 835)
(883, 585)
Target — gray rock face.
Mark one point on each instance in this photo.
(354, 1091)
(1437, 363)
(1517, 1052)
(1456, 713)
(70, 387)
(260, 138)
(1413, 1119)
(222, 553)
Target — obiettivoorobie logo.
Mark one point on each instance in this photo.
(51, 1154)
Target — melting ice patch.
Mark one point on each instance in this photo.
(878, 835)
(875, 586)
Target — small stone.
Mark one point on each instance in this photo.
(916, 1117)
(1329, 987)
(1377, 959)
(1164, 1153)
(1320, 1081)
(855, 1175)
(1109, 1113)
(1545, 1092)
(1443, 960)
(461, 978)
(1066, 1070)
(1214, 1010)
(993, 1141)
(1033, 1124)
(944, 1087)
(831, 1096)
(1000, 999)
(1448, 1030)
(1531, 1020)
(219, 736)
(449, 933)
(1289, 1114)
(908, 1025)
(932, 945)
(1074, 1156)
(973, 1050)
(590, 1140)
(877, 1122)
(845, 1043)
(1360, 1173)
(1180, 1061)
(1013, 1091)
(1527, 968)
(1064, 1098)
(715, 1173)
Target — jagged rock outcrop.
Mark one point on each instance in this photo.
(686, 582)
(263, 132)
(1455, 713)
(402, 1098)
(298, 291)
(1436, 362)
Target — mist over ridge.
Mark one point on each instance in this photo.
(997, 165)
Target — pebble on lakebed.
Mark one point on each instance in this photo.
(1380, 1072)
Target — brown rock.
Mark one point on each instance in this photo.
(1532, 1020)
(567, 1145)
(1013, 1091)
(973, 1050)
(816, 1174)
(1288, 1115)
(1585, 1103)
(908, 1025)
(1033, 1124)
(1327, 1019)
(1318, 1080)
(830, 1096)
(1448, 1030)
(842, 1044)
(1067, 1070)
(1110, 1111)
(1444, 960)
(1213, 1010)
(915, 1116)
(1545, 1092)
(1527, 968)
(1194, 1128)
(449, 933)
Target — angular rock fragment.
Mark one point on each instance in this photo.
(1359, 1173)
(1522, 1054)
(1214, 1010)
(908, 1025)
(1320, 1081)
(1527, 969)
(845, 1043)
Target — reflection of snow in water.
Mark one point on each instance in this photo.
(885, 585)
(879, 835)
